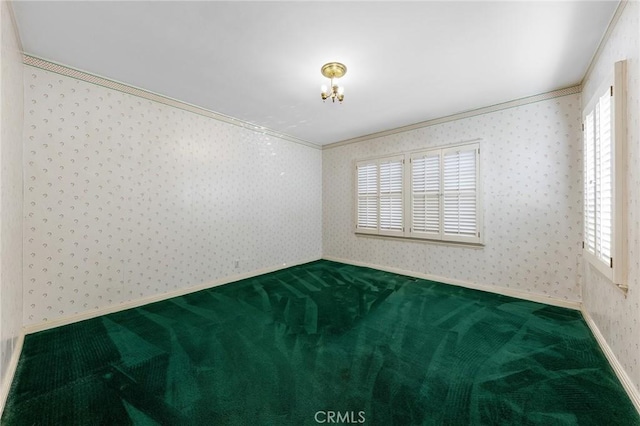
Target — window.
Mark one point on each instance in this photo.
(425, 195)
(604, 154)
(380, 196)
(445, 194)
(391, 195)
(437, 198)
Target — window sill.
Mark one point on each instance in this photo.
(597, 269)
(422, 240)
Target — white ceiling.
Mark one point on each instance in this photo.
(260, 61)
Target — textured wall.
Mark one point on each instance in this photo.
(617, 317)
(127, 198)
(531, 173)
(11, 111)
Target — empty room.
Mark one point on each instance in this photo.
(303, 213)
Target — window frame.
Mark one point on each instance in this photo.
(615, 269)
(442, 235)
(378, 230)
(418, 234)
(407, 194)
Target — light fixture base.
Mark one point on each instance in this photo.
(333, 70)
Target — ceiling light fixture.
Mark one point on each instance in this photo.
(333, 70)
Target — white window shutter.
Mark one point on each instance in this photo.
(445, 194)
(425, 195)
(460, 194)
(598, 198)
(604, 186)
(589, 185)
(605, 151)
(436, 198)
(367, 188)
(391, 196)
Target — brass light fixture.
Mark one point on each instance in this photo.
(333, 70)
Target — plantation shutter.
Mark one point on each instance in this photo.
(391, 197)
(605, 190)
(367, 210)
(460, 193)
(589, 183)
(598, 199)
(425, 195)
(605, 137)
(437, 198)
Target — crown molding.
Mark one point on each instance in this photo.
(14, 23)
(471, 113)
(87, 77)
(605, 38)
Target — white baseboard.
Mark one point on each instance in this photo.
(518, 294)
(11, 371)
(628, 385)
(34, 328)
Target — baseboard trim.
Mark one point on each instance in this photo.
(34, 328)
(518, 294)
(627, 384)
(11, 372)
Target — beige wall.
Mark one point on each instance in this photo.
(532, 189)
(127, 198)
(617, 316)
(11, 112)
(531, 174)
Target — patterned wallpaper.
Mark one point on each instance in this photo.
(127, 198)
(10, 195)
(531, 172)
(617, 317)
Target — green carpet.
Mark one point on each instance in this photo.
(321, 342)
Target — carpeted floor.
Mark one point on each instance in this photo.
(317, 343)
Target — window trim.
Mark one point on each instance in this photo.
(407, 233)
(420, 234)
(615, 270)
(377, 161)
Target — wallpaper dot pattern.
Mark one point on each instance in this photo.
(617, 316)
(11, 197)
(127, 198)
(531, 172)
